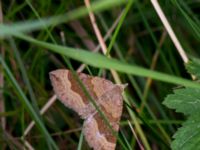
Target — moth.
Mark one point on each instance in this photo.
(108, 97)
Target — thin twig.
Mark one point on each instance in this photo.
(95, 27)
(100, 39)
(42, 111)
(82, 33)
(135, 135)
(28, 145)
(30, 126)
(153, 65)
(108, 33)
(14, 141)
(52, 134)
(169, 30)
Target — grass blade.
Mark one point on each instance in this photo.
(27, 104)
(98, 60)
(27, 26)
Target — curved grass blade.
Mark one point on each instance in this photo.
(100, 61)
(28, 26)
(80, 141)
(24, 74)
(27, 104)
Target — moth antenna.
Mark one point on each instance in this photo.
(123, 86)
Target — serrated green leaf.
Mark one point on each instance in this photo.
(188, 136)
(185, 100)
(193, 67)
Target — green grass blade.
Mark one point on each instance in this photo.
(98, 60)
(80, 141)
(125, 139)
(191, 21)
(128, 6)
(27, 104)
(24, 74)
(153, 37)
(27, 26)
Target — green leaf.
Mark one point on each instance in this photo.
(193, 67)
(188, 136)
(185, 100)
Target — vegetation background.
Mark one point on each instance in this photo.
(40, 36)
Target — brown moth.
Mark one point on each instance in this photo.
(108, 97)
